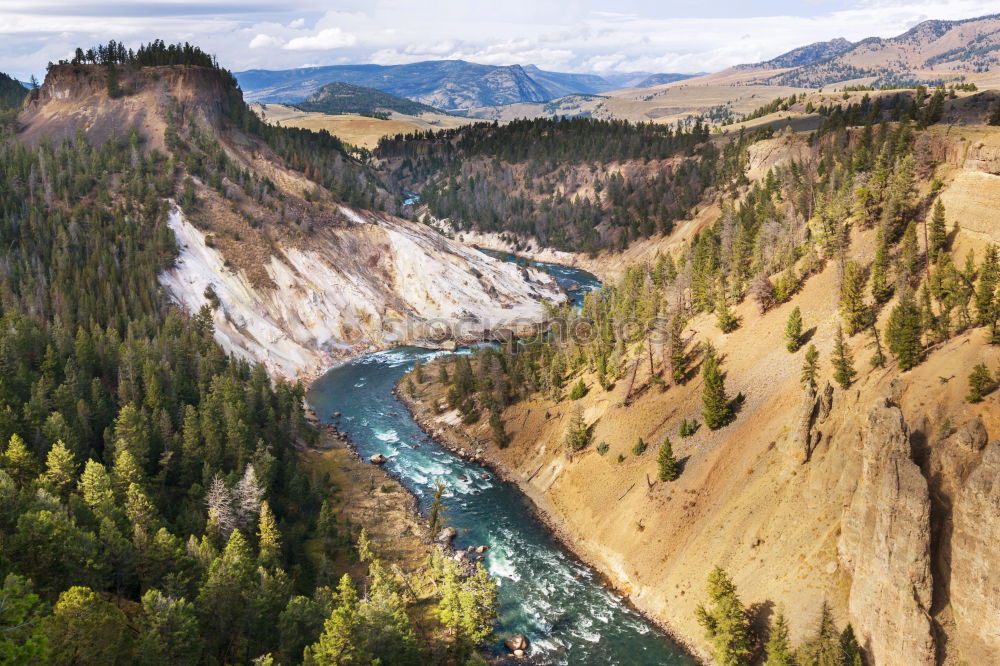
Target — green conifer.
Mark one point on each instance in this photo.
(810, 367)
(725, 621)
(981, 382)
(793, 330)
(778, 648)
(716, 409)
(881, 288)
(938, 232)
(843, 363)
(903, 332)
(666, 462)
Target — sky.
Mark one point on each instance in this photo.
(686, 36)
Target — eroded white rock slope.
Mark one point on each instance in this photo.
(375, 284)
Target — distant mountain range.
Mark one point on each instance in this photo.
(930, 52)
(450, 85)
(337, 98)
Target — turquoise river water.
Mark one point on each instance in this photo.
(546, 594)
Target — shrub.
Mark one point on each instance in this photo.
(639, 448)
(602, 448)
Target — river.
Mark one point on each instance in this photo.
(549, 596)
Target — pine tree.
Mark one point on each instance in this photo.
(95, 488)
(779, 649)
(435, 518)
(903, 332)
(418, 371)
(857, 314)
(578, 391)
(724, 317)
(938, 233)
(850, 651)
(170, 632)
(881, 288)
(843, 363)
(268, 536)
(823, 648)
(716, 410)
(666, 462)
(500, 435)
(909, 257)
(60, 468)
(247, 497)
(793, 330)
(443, 374)
(125, 472)
(810, 367)
(22, 639)
(343, 640)
(18, 461)
(989, 272)
(84, 628)
(981, 382)
(725, 621)
(577, 432)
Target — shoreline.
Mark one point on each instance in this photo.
(547, 516)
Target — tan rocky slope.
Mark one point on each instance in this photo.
(294, 278)
(881, 499)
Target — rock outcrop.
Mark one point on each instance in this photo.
(885, 545)
(372, 284)
(975, 569)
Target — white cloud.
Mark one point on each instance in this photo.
(262, 41)
(579, 35)
(330, 38)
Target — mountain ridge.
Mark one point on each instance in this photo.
(445, 84)
(338, 97)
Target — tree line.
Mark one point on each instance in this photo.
(570, 183)
(153, 508)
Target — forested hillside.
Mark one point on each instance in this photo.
(572, 184)
(11, 94)
(340, 97)
(154, 509)
(749, 397)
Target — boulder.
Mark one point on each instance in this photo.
(519, 653)
(972, 435)
(517, 642)
(378, 459)
(446, 535)
(482, 549)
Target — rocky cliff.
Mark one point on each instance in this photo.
(294, 278)
(885, 545)
(375, 283)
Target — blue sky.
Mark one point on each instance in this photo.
(573, 35)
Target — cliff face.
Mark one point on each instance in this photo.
(75, 97)
(375, 283)
(975, 581)
(885, 545)
(295, 281)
